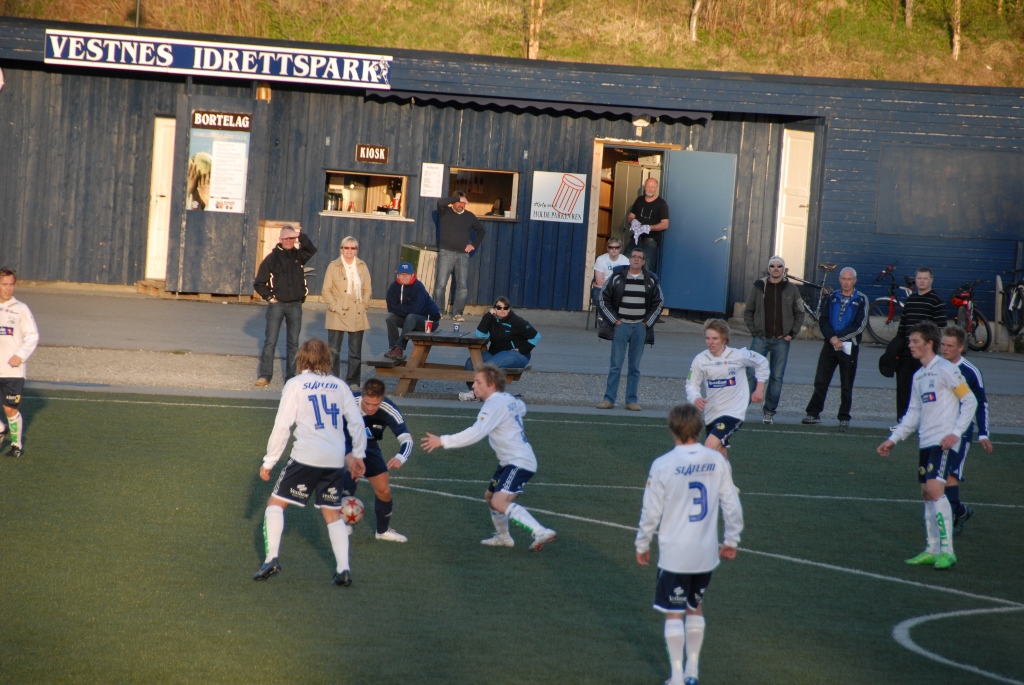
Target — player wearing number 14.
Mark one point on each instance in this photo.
(314, 402)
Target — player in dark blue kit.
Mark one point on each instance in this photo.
(953, 340)
(380, 413)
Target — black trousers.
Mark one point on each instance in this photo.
(828, 360)
(905, 369)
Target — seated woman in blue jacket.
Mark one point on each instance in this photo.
(511, 340)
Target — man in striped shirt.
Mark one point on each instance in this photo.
(924, 306)
(630, 303)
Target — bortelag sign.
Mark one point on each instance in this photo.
(227, 60)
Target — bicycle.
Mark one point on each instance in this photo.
(969, 318)
(885, 313)
(824, 292)
(1013, 303)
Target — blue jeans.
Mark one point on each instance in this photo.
(509, 359)
(633, 336)
(448, 262)
(291, 313)
(777, 352)
(400, 326)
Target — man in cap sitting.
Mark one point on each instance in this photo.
(409, 309)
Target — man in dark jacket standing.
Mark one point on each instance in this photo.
(409, 309)
(630, 302)
(842, 318)
(454, 249)
(924, 306)
(282, 282)
(773, 316)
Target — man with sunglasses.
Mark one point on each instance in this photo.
(630, 304)
(773, 316)
(281, 281)
(603, 267)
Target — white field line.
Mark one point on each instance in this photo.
(446, 416)
(745, 493)
(901, 633)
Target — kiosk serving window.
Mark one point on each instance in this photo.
(365, 194)
(491, 194)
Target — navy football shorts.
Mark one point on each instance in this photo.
(509, 479)
(934, 463)
(957, 459)
(298, 482)
(677, 592)
(374, 462)
(11, 390)
(723, 427)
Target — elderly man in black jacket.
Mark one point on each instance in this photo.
(630, 302)
(281, 281)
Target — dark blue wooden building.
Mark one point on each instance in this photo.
(855, 172)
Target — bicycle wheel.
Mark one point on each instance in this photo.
(882, 328)
(981, 337)
(1013, 309)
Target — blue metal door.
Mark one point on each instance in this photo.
(699, 188)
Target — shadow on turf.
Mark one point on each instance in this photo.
(306, 522)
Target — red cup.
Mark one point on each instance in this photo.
(429, 326)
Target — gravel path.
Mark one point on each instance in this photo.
(238, 372)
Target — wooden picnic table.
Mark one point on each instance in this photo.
(417, 368)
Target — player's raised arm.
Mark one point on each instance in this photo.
(486, 420)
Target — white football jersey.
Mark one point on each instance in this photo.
(941, 403)
(18, 336)
(684, 492)
(318, 407)
(724, 379)
(501, 420)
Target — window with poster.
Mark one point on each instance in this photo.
(492, 195)
(370, 196)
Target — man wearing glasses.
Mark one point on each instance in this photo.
(630, 304)
(603, 267)
(773, 316)
(282, 282)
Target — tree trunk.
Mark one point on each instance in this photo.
(908, 13)
(999, 8)
(533, 41)
(693, 20)
(956, 30)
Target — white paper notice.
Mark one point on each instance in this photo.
(847, 347)
(431, 180)
(227, 180)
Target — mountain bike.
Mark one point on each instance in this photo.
(969, 318)
(1013, 303)
(812, 305)
(885, 312)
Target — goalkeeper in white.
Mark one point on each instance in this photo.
(684, 491)
(501, 421)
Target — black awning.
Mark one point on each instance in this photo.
(522, 104)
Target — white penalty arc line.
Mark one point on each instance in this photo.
(901, 633)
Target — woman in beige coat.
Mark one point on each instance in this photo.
(347, 293)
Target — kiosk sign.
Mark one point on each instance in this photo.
(226, 60)
(558, 197)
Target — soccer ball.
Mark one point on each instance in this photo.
(352, 510)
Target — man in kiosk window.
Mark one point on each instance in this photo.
(454, 248)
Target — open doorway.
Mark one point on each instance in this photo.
(623, 173)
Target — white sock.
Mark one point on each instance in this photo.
(273, 527)
(14, 426)
(931, 527)
(520, 515)
(944, 523)
(694, 640)
(675, 640)
(500, 522)
(338, 532)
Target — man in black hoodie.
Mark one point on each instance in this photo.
(454, 249)
(282, 282)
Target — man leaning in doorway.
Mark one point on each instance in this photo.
(649, 210)
(454, 249)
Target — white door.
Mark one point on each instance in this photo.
(794, 199)
(160, 199)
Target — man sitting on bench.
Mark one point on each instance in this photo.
(510, 341)
(409, 309)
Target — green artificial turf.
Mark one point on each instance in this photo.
(132, 526)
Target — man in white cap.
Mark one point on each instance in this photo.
(773, 316)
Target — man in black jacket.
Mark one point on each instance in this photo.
(924, 306)
(630, 302)
(454, 249)
(282, 282)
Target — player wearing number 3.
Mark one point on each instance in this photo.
(684, 492)
(501, 421)
(315, 403)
